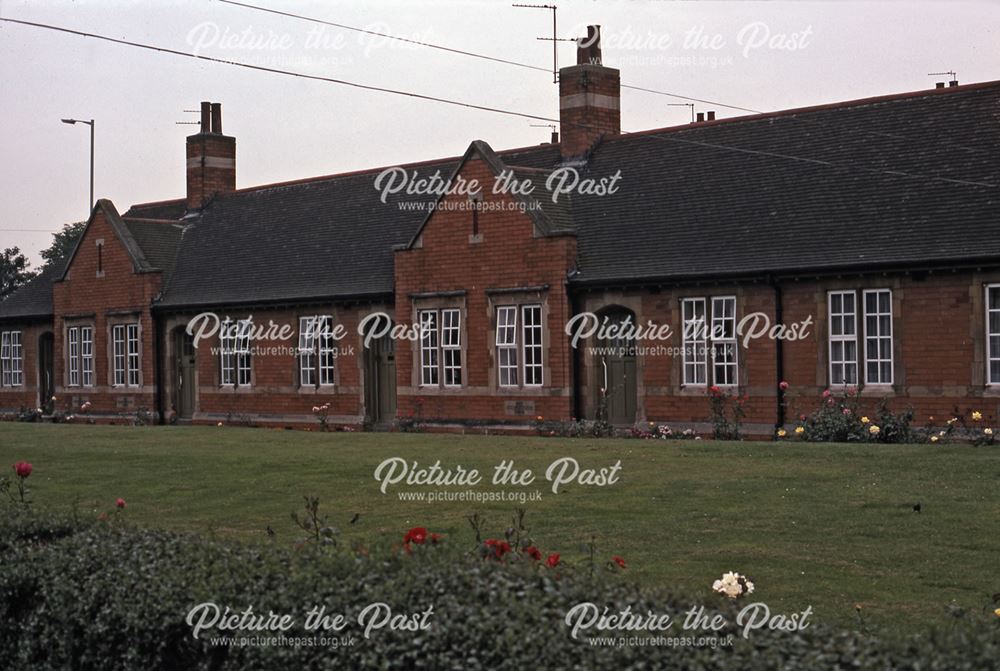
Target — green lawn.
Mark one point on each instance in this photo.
(824, 525)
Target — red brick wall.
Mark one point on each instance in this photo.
(86, 298)
(508, 255)
(275, 395)
(26, 396)
(939, 338)
(939, 342)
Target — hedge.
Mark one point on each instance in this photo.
(106, 596)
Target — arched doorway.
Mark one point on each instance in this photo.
(185, 374)
(380, 374)
(46, 379)
(616, 370)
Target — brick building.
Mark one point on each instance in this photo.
(870, 225)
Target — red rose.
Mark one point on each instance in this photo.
(783, 386)
(533, 552)
(552, 560)
(499, 548)
(416, 535)
(22, 469)
(618, 560)
(120, 503)
(436, 538)
(714, 389)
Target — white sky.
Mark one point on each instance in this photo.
(288, 128)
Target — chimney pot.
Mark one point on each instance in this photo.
(939, 85)
(710, 116)
(555, 137)
(701, 116)
(206, 114)
(953, 82)
(588, 49)
(217, 118)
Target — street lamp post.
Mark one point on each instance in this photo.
(90, 123)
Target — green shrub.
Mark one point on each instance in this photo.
(841, 419)
(107, 596)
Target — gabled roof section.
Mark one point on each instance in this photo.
(164, 209)
(329, 238)
(159, 241)
(534, 207)
(139, 262)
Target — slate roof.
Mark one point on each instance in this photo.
(159, 241)
(901, 180)
(34, 299)
(166, 209)
(908, 179)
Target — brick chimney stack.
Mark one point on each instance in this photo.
(211, 159)
(589, 98)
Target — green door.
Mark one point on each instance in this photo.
(616, 373)
(184, 374)
(380, 371)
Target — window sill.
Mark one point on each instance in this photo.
(870, 390)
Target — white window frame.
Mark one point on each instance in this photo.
(694, 343)
(506, 344)
(119, 358)
(531, 347)
(12, 359)
(133, 355)
(429, 323)
(235, 366)
(451, 347)
(73, 355)
(307, 351)
(843, 338)
(5, 363)
(723, 339)
(326, 345)
(878, 336)
(87, 355)
(992, 353)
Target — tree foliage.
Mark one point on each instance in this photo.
(14, 271)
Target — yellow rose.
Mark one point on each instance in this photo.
(997, 612)
(934, 439)
(988, 432)
(865, 420)
(782, 433)
(874, 430)
(800, 430)
(976, 416)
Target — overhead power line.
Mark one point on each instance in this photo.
(669, 94)
(463, 52)
(419, 96)
(343, 26)
(277, 71)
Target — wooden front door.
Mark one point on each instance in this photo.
(380, 378)
(616, 374)
(184, 374)
(46, 381)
